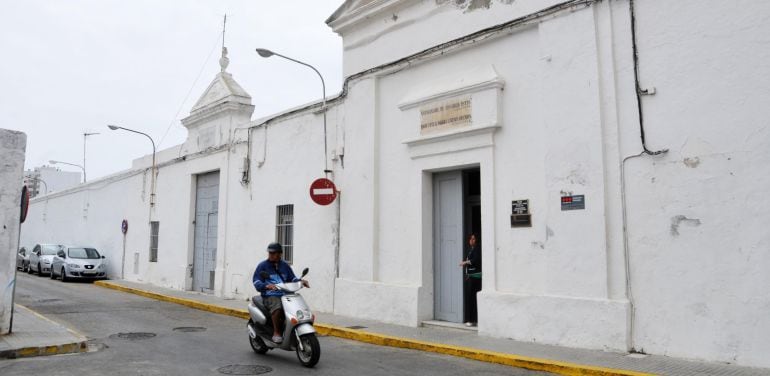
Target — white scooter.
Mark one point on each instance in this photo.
(299, 333)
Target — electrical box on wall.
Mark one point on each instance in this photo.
(520, 216)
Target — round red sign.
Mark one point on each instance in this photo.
(323, 191)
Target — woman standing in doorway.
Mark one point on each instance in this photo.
(472, 275)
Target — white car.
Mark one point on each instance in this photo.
(78, 262)
(41, 258)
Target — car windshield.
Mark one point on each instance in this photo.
(83, 253)
(49, 250)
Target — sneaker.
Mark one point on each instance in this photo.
(277, 339)
(468, 324)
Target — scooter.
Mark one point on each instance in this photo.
(299, 333)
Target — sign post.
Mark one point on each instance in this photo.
(124, 230)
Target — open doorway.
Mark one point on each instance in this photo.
(456, 215)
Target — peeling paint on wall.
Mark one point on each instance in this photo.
(471, 5)
(691, 162)
(677, 220)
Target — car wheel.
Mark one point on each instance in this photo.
(29, 269)
(63, 275)
(53, 276)
(24, 267)
(39, 270)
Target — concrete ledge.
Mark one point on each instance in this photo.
(50, 338)
(25, 352)
(537, 364)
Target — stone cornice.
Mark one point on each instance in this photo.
(208, 112)
(347, 19)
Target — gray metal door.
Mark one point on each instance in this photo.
(448, 246)
(206, 218)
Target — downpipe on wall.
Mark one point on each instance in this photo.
(645, 151)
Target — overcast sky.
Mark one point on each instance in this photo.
(72, 66)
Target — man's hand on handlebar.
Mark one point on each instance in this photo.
(272, 287)
(305, 283)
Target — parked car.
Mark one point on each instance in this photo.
(41, 258)
(78, 262)
(22, 259)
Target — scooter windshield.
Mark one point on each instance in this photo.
(291, 286)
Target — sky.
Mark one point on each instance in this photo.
(69, 67)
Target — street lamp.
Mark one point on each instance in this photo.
(266, 54)
(30, 177)
(53, 162)
(85, 136)
(154, 169)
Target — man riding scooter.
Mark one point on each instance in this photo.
(278, 271)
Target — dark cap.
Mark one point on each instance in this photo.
(274, 247)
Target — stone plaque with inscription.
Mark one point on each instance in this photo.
(445, 115)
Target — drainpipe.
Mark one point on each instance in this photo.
(645, 151)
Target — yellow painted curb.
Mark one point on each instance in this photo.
(59, 349)
(537, 364)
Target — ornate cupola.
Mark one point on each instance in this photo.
(222, 107)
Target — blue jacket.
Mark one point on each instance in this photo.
(281, 274)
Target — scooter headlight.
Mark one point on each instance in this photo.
(304, 315)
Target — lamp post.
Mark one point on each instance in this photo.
(53, 162)
(85, 137)
(154, 170)
(29, 177)
(267, 53)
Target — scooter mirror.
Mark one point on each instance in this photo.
(264, 275)
(305, 271)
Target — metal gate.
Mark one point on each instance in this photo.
(206, 218)
(448, 246)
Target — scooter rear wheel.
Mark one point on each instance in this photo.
(312, 350)
(257, 344)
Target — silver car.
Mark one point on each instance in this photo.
(22, 259)
(41, 258)
(78, 262)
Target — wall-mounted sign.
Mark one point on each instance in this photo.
(444, 115)
(520, 207)
(575, 202)
(323, 191)
(520, 216)
(24, 203)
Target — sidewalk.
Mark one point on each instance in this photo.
(35, 335)
(463, 343)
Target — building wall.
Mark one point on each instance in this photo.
(699, 252)
(12, 148)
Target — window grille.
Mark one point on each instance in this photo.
(284, 230)
(154, 228)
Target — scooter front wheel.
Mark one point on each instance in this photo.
(311, 352)
(256, 343)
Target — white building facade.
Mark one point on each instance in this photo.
(637, 183)
(46, 179)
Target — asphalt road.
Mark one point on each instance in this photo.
(100, 314)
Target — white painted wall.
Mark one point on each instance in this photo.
(699, 249)
(12, 148)
(554, 112)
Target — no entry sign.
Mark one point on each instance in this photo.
(323, 191)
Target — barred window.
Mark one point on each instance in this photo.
(284, 230)
(154, 228)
